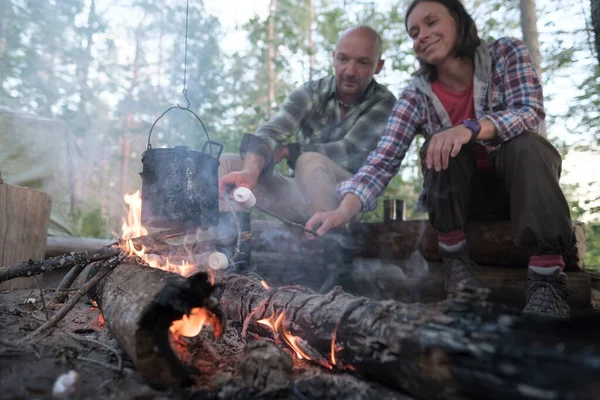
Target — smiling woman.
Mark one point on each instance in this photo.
(480, 107)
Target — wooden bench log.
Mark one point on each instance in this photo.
(24, 220)
(490, 242)
(413, 280)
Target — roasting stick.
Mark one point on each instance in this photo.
(279, 217)
(246, 199)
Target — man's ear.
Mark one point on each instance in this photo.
(379, 66)
(333, 56)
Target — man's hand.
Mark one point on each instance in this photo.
(235, 179)
(446, 144)
(281, 153)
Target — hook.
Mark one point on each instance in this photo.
(184, 91)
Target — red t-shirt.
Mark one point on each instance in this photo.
(459, 106)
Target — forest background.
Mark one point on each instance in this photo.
(109, 68)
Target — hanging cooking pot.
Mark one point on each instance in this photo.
(180, 186)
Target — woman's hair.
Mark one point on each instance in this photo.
(467, 38)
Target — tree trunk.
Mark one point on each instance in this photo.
(311, 44)
(595, 9)
(271, 57)
(24, 220)
(128, 120)
(530, 32)
(453, 349)
(531, 39)
(140, 303)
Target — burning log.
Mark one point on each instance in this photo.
(451, 349)
(143, 306)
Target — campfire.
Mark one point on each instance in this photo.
(184, 324)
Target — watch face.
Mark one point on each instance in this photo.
(473, 125)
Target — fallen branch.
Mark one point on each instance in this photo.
(31, 268)
(104, 270)
(61, 293)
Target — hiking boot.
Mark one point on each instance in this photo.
(458, 274)
(547, 294)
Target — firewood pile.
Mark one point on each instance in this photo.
(228, 334)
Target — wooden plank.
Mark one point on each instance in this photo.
(24, 220)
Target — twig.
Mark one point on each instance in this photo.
(101, 363)
(42, 296)
(68, 306)
(156, 238)
(98, 343)
(61, 293)
(31, 268)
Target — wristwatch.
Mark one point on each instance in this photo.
(474, 126)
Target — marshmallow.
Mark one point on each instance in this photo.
(67, 385)
(217, 260)
(244, 197)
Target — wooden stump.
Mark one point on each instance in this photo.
(24, 220)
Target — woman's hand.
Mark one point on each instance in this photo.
(446, 144)
(325, 221)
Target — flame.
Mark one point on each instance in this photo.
(132, 228)
(190, 326)
(265, 285)
(333, 347)
(275, 324)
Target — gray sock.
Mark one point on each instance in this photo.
(544, 270)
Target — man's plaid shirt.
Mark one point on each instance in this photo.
(506, 91)
(312, 113)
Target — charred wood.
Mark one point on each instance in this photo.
(140, 303)
(453, 349)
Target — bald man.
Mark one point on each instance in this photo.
(325, 130)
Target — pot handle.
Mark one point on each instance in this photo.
(213, 143)
(178, 107)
